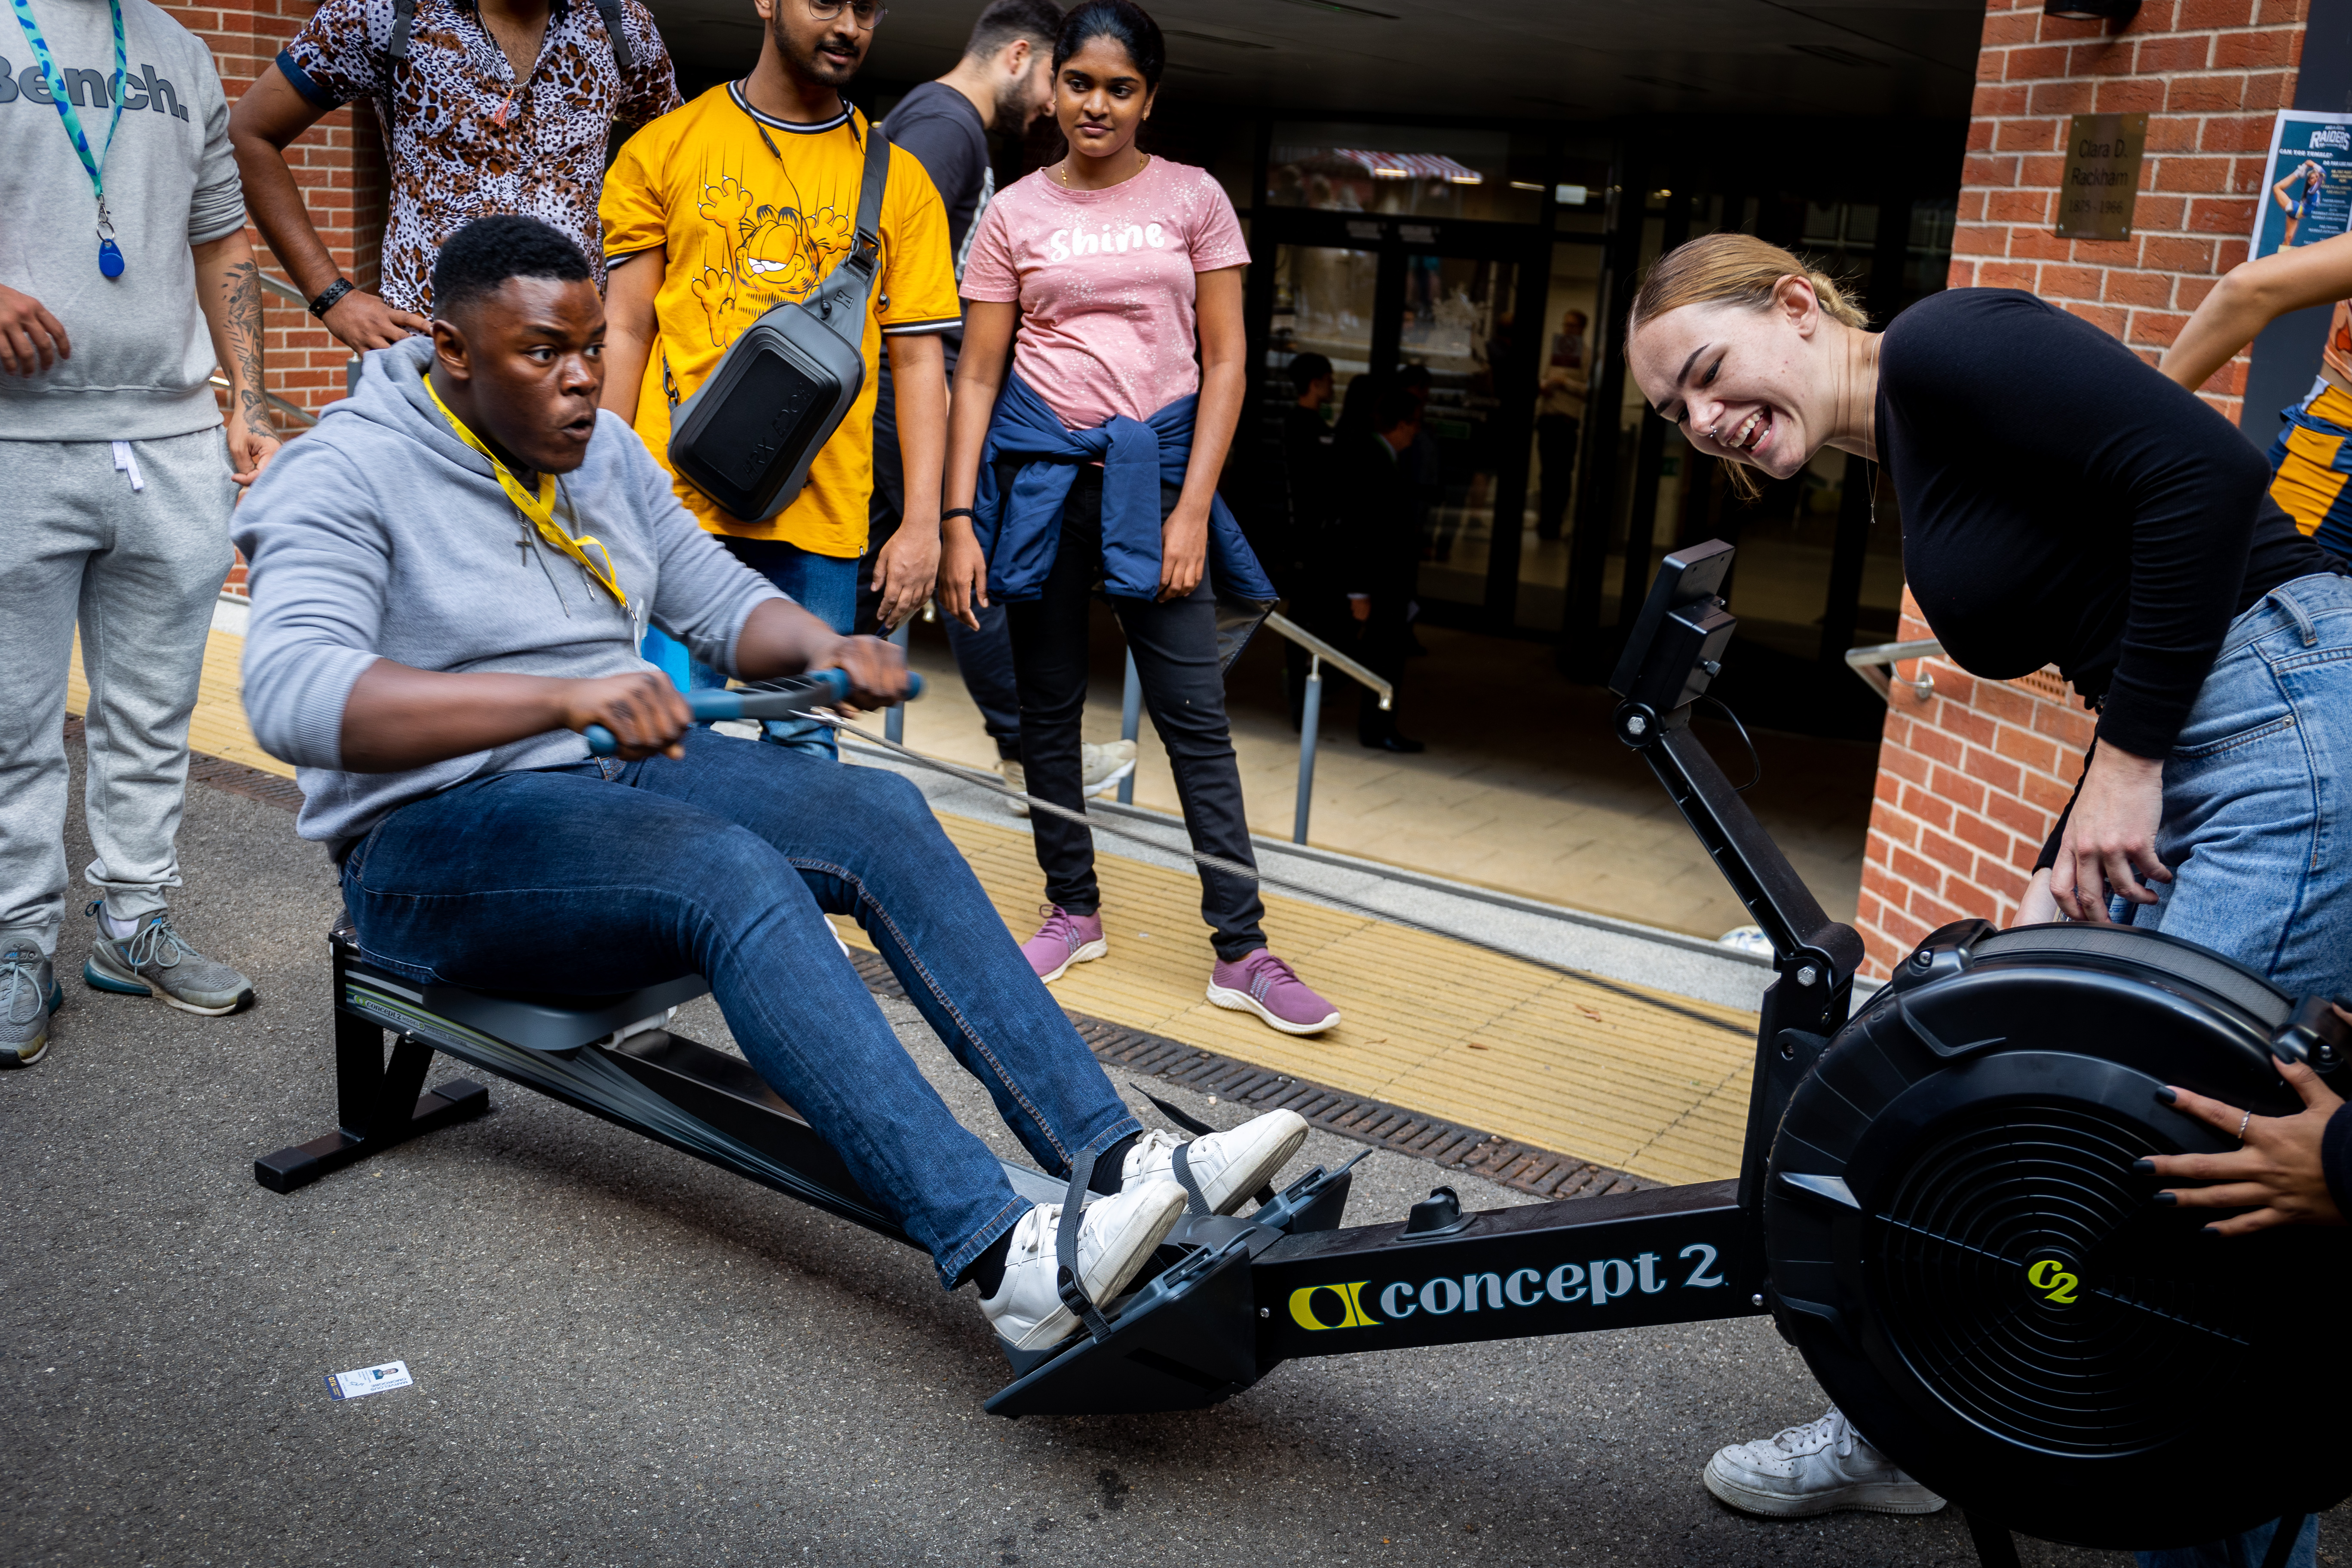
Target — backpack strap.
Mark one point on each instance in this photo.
(616, 29)
(403, 14)
(848, 284)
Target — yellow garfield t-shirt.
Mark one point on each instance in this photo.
(749, 221)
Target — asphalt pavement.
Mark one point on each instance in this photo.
(625, 1356)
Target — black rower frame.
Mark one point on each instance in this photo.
(1233, 1298)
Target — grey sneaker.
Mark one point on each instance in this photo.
(155, 961)
(29, 994)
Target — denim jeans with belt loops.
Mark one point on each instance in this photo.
(608, 877)
(2255, 795)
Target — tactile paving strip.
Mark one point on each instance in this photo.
(1514, 1164)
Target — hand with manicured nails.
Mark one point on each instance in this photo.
(643, 710)
(2110, 834)
(2276, 1177)
(31, 340)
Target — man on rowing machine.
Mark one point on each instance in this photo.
(449, 583)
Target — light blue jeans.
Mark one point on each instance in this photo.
(2255, 792)
(824, 585)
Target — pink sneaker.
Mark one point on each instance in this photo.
(1064, 938)
(1264, 984)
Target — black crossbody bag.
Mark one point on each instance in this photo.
(750, 432)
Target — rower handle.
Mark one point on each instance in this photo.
(776, 700)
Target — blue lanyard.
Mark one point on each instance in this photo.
(110, 256)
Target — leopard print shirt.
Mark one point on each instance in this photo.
(465, 138)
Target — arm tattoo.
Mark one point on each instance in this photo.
(241, 295)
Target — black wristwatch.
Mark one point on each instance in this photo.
(329, 297)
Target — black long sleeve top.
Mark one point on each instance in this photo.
(2063, 504)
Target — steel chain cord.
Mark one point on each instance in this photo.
(1233, 869)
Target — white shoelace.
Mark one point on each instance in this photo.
(1829, 1431)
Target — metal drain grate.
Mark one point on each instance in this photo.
(1519, 1166)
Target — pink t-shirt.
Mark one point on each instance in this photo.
(1105, 283)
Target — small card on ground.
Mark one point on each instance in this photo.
(368, 1380)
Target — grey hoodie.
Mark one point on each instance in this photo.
(380, 534)
(141, 353)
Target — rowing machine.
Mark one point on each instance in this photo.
(1936, 1202)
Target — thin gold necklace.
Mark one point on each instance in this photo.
(1062, 170)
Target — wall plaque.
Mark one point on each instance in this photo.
(2102, 179)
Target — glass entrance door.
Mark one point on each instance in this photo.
(1456, 341)
(1325, 299)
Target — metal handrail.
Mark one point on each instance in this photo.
(1876, 664)
(1284, 627)
(292, 411)
(1310, 719)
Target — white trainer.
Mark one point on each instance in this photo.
(1116, 1236)
(1102, 768)
(1819, 1467)
(1229, 1166)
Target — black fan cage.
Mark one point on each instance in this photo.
(2026, 1279)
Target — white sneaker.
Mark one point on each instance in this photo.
(1014, 778)
(1103, 768)
(1229, 1166)
(1819, 1467)
(1116, 1236)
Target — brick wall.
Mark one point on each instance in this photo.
(340, 166)
(1972, 780)
(2209, 74)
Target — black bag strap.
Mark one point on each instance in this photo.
(848, 285)
(617, 30)
(404, 16)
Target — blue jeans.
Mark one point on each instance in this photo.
(824, 585)
(2253, 792)
(609, 877)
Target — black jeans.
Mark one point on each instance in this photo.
(1175, 650)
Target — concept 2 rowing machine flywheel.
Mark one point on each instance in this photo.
(1960, 1248)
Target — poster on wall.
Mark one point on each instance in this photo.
(2307, 193)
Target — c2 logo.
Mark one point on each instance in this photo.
(2049, 1277)
(1351, 1310)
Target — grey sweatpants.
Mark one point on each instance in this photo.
(140, 571)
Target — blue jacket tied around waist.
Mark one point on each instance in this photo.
(1019, 532)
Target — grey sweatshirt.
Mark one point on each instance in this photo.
(380, 534)
(141, 354)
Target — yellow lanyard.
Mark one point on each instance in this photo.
(540, 508)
